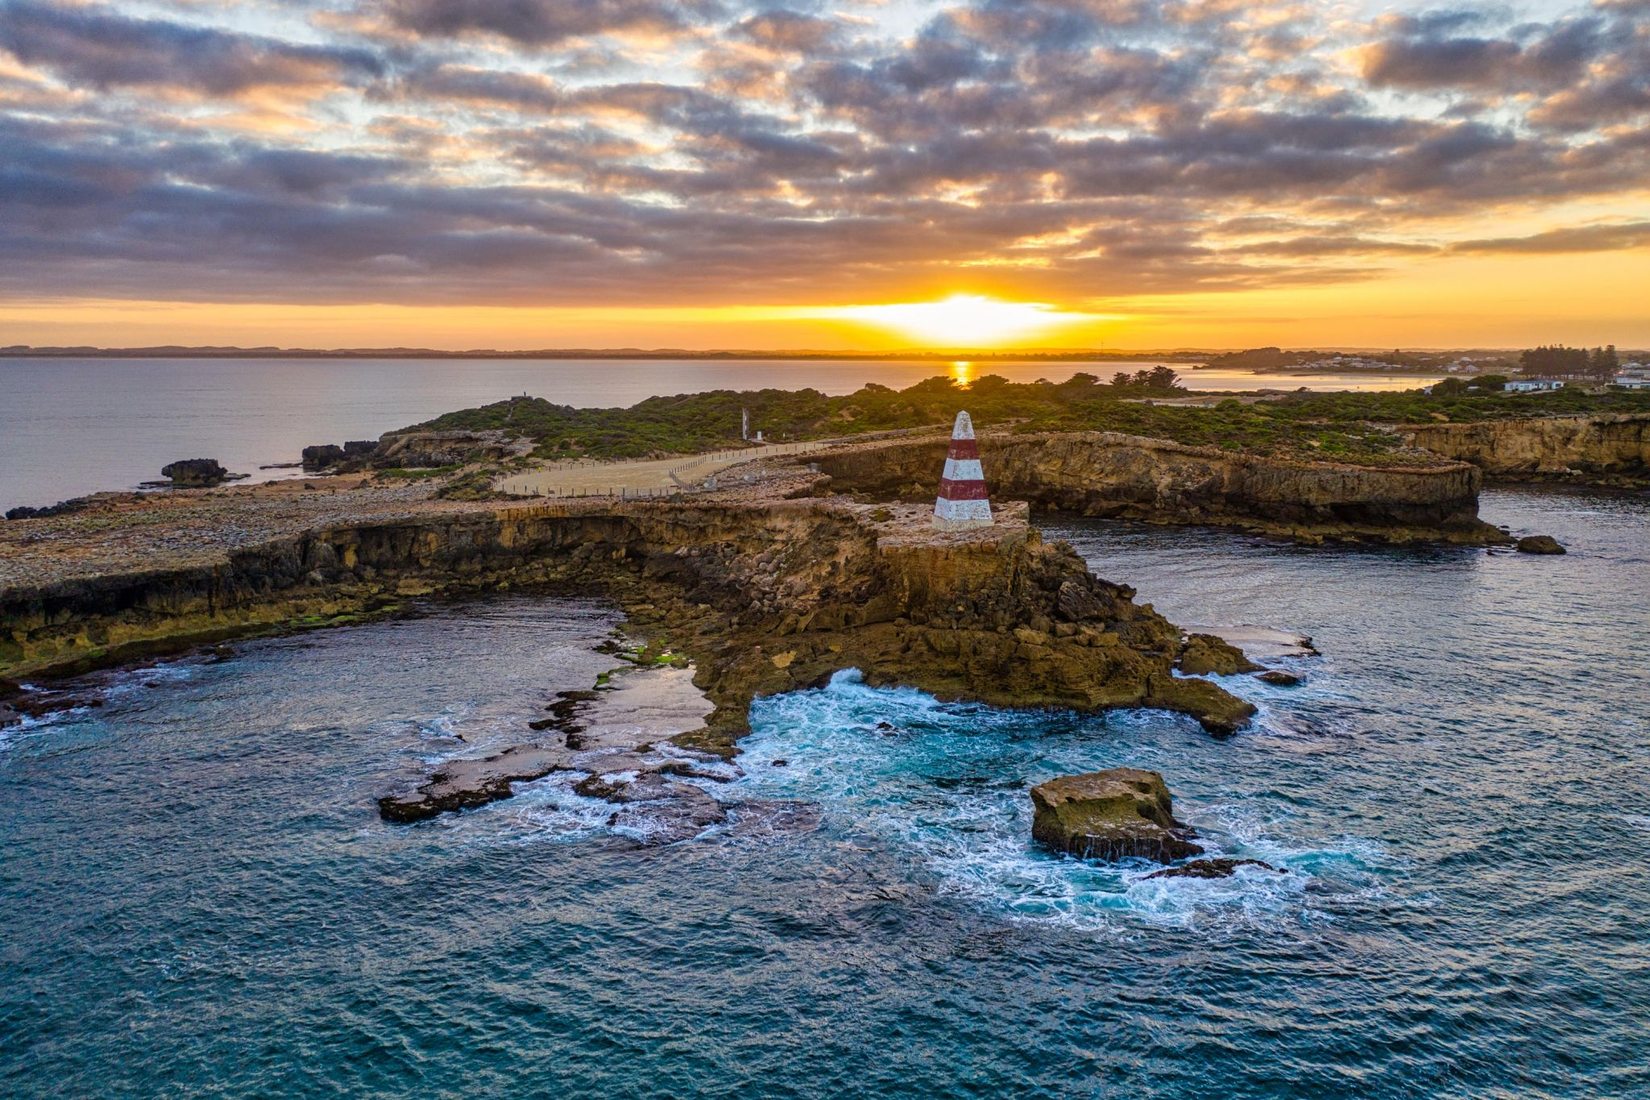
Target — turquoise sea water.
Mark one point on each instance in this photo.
(198, 899)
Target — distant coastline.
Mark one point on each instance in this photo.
(24, 351)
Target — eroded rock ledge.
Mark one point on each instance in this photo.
(1608, 448)
(1121, 476)
(766, 596)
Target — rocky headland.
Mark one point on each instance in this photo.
(767, 589)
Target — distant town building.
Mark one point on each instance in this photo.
(1533, 385)
(963, 501)
(1633, 381)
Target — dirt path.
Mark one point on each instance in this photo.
(641, 477)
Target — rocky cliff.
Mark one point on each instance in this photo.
(1130, 477)
(766, 597)
(1588, 447)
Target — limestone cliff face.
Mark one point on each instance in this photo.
(766, 597)
(1545, 446)
(1130, 477)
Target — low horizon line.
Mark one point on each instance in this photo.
(267, 351)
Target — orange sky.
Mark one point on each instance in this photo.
(1502, 301)
(869, 175)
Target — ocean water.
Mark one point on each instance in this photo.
(198, 899)
(75, 426)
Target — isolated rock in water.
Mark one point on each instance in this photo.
(321, 456)
(195, 472)
(1213, 868)
(1124, 813)
(1278, 678)
(1540, 544)
(1206, 653)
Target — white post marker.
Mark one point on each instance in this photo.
(963, 501)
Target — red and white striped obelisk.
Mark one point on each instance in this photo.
(962, 501)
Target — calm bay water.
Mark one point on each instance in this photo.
(75, 426)
(199, 900)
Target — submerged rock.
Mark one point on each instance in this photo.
(1540, 544)
(661, 810)
(1213, 868)
(1278, 678)
(461, 784)
(1124, 813)
(1208, 653)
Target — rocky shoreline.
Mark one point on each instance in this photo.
(802, 567)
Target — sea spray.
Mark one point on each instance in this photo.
(948, 783)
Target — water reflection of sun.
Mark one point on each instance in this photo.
(962, 373)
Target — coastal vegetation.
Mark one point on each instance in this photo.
(1347, 427)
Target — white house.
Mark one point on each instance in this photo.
(1633, 381)
(1533, 385)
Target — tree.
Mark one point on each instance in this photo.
(1556, 361)
(1162, 378)
(1603, 364)
(1122, 380)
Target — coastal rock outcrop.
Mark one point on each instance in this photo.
(1124, 813)
(1540, 544)
(1206, 654)
(329, 456)
(1131, 477)
(322, 456)
(1597, 447)
(192, 473)
(61, 508)
(431, 450)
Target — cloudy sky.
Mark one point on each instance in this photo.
(716, 173)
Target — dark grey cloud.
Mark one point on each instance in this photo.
(529, 152)
(538, 22)
(96, 48)
(1431, 53)
(1585, 238)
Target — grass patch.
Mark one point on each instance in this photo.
(1345, 427)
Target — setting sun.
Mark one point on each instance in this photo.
(964, 320)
